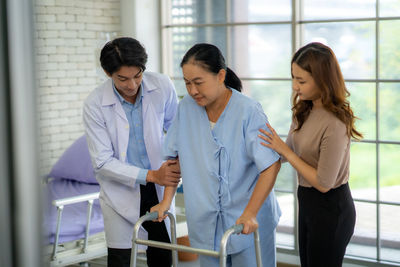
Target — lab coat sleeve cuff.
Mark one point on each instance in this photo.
(141, 178)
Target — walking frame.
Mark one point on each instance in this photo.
(221, 254)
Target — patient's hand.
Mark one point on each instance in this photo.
(161, 208)
(249, 222)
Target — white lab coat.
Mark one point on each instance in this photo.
(107, 132)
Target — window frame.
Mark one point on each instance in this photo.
(297, 22)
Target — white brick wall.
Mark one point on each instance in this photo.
(69, 35)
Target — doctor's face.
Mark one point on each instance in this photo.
(127, 81)
(202, 85)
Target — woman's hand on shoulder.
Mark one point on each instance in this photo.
(273, 141)
(249, 222)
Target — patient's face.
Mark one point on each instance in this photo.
(127, 81)
(203, 86)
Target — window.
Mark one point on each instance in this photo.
(258, 37)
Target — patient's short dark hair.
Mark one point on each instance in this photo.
(124, 51)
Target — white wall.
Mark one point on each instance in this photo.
(141, 20)
(69, 35)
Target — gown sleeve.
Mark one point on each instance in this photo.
(170, 147)
(262, 156)
(170, 105)
(289, 141)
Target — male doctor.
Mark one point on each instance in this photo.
(125, 119)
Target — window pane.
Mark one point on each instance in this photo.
(197, 12)
(185, 37)
(206, 12)
(363, 242)
(255, 51)
(389, 172)
(389, 111)
(352, 42)
(390, 232)
(389, 43)
(389, 8)
(285, 229)
(287, 178)
(363, 170)
(261, 10)
(362, 101)
(274, 96)
(338, 9)
(260, 51)
(180, 87)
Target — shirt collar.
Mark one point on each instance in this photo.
(121, 99)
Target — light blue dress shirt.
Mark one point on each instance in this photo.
(136, 154)
(220, 168)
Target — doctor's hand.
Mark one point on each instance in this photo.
(169, 174)
(273, 141)
(249, 222)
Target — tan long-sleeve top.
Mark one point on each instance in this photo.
(322, 142)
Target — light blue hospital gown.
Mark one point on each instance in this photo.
(220, 168)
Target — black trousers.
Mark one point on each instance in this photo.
(157, 231)
(326, 225)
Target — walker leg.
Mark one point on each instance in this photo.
(222, 259)
(134, 254)
(257, 248)
(173, 240)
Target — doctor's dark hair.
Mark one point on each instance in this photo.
(123, 51)
(210, 58)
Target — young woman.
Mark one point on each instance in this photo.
(227, 175)
(318, 147)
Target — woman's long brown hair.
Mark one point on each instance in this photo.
(320, 61)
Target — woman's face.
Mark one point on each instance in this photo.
(303, 84)
(203, 86)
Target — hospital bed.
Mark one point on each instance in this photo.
(85, 241)
(70, 247)
(73, 224)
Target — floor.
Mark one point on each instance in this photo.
(102, 262)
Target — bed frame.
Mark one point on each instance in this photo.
(82, 251)
(77, 251)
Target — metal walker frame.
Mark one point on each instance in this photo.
(222, 255)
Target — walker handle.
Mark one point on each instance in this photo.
(151, 216)
(237, 228)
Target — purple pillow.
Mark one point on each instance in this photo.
(75, 164)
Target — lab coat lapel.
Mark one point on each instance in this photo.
(111, 100)
(152, 123)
